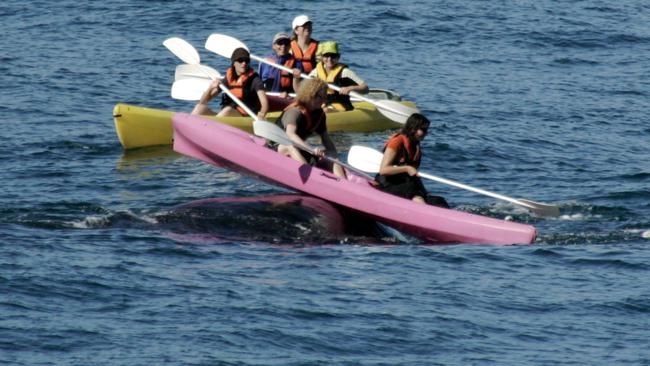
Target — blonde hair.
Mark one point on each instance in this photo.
(309, 89)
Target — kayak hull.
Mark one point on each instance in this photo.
(225, 146)
(140, 127)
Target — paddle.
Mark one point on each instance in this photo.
(196, 71)
(273, 132)
(224, 45)
(186, 52)
(369, 160)
(191, 81)
(190, 89)
(202, 81)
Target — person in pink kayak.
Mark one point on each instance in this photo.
(244, 83)
(305, 117)
(399, 167)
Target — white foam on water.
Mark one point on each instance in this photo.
(89, 222)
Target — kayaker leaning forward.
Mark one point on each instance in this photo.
(244, 83)
(399, 166)
(331, 71)
(304, 117)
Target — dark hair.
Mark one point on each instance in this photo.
(238, 53)
(413, 123)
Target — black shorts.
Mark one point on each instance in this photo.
(402, 185)
(406, 186)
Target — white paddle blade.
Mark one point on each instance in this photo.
(187, 71)
(190, 89)
(395, 111)
(369, 160)
(183, 50)
(223, 45)
(271, 131)
(365, 158)
(379, 94)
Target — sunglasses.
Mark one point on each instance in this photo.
(243, 59)
(331, 55)
(283, 42)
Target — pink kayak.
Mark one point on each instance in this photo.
(234, 149)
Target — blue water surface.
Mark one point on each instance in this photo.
(106, 258)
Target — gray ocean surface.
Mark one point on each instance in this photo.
(125, 258)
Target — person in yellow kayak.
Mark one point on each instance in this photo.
(303, 47)
(276, 80)
(399, 166)
(305, 117)
(244, 83)
(330, 70)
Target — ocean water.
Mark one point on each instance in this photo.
(147, 257)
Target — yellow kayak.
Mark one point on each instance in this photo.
(139, 126)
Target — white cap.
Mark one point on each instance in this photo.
(299, 21)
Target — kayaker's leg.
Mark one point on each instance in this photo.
(201, 107)
(339, 171)
(291, 152)
(203, 110)
(229, 111)
(418, 199)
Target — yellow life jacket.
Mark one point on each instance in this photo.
(334, 98)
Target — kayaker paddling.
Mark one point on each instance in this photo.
(305, 117)
(399, 166)
(333, 72)
(243, 82)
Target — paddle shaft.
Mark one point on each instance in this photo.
(473, 189)
(273, 132)
(331, 86)
(225, 45)
(232, 96)
(369, 159)
(332, 160)
(188, 54)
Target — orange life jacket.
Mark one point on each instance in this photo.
(236, 86)
(286, 78)
(308, 57)
(408, 154)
